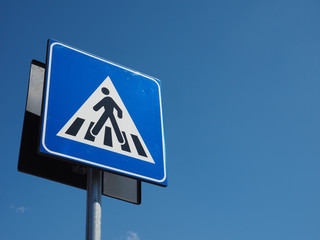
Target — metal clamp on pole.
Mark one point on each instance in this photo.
(93, 225)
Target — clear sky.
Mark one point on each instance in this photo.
(240, 88)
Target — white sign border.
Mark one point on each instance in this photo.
(83, 160)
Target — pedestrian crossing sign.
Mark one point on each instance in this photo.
(101, 114)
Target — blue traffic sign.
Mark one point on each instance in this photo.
(101, 114)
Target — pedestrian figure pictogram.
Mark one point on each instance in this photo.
(104, 122)
(108, 104)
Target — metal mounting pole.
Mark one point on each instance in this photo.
(93, 225)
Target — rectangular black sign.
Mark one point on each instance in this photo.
(116, 186)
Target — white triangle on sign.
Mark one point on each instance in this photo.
(82, 126)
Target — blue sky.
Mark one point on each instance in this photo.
(240, 89)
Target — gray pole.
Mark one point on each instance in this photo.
(93, 225)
